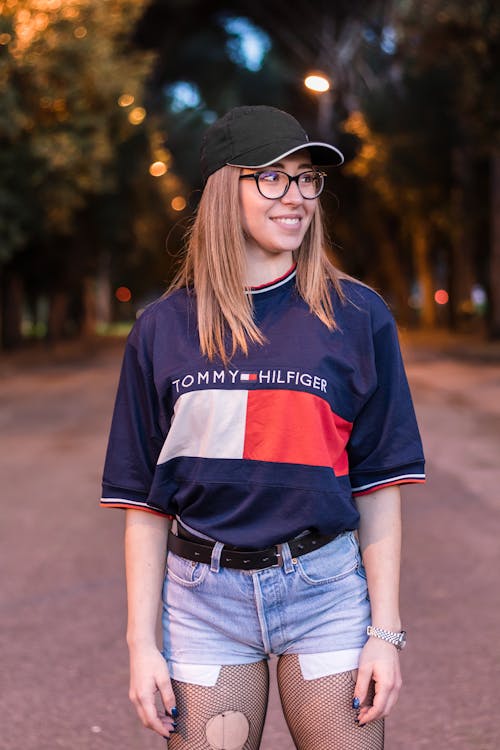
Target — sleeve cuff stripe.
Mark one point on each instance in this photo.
(116, 502)
(402, 478)
(119, 502)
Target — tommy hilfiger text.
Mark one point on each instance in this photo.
(260, 377)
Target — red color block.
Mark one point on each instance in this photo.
(295, 427)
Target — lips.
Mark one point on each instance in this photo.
(287, 221)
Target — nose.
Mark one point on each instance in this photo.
(293, 194)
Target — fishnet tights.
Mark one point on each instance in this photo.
(319, 712)
(241, 688)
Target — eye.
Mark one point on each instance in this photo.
(307, 178)
(269, 176)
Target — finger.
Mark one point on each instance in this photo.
(151, 719)
(167, 697)
(361, 687)
(377, 709)
(385, 698)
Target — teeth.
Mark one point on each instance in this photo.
(287, 221)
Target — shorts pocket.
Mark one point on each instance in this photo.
(331, 563)
(187, 573)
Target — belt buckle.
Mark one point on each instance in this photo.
(279, 556)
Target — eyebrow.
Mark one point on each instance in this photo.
(280, 164)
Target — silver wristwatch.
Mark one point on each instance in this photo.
(397, 639)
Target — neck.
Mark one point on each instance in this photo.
(263, 270)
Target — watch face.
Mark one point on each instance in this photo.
(402, 639)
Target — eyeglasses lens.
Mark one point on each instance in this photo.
(275, 184)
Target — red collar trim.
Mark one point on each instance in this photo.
(280, 279)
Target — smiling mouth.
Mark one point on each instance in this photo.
(289, 222)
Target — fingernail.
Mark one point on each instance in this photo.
(174, 712)
(356, 703)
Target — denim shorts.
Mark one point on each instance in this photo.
(310, 605)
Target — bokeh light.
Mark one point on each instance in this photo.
(125, 100)
(158, 168)
(317, 82)
(178, 203)
(137, 115)
(123, 294)
(441, 297)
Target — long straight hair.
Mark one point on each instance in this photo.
(215, 266)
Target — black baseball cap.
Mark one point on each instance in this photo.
(258, 136)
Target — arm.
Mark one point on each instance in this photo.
(380, 541)
(145, 558)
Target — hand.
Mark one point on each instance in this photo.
(379, 662)
(149, 675)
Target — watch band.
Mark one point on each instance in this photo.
(398, 639)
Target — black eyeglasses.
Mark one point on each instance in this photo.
(273, 183)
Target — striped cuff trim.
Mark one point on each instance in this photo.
(401, 479)
(116, 502)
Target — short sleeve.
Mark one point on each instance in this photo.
(385, 446)
(136, 436)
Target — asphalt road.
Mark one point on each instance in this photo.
(62, 611)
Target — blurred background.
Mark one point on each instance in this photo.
(103, 104)
(102, 107)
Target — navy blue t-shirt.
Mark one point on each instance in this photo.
(279, 441)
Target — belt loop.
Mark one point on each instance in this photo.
(286, 557)
(215, 557)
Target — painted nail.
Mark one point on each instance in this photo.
(356, 703)
(174, 712)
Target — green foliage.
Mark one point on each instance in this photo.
(63, 67)
(462, 38)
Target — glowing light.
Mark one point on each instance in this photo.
(123, 294)
(5, 38)
(125, 100)
(158, 168)
(441, 297)
(41, 21)
(80, 32)
(137, 115)
(178, 203)
(317, 82)
(69, 12)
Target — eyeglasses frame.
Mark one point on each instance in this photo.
(291, 178)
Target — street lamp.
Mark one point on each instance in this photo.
(320, 84)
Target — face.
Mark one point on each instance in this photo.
(276, 227)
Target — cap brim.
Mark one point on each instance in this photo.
(322, 155)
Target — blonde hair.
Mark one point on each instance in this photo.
(215, 266)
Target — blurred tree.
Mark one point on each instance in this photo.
(461, 39)
(404, 162)
(63, 68)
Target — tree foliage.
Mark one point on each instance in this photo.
(63, 67)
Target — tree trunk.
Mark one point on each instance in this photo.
(11, 301)
(423, 268)
(494, 267)
(103, 291)
(89, 322)
(391, 266)
(462, 272)
(58, 307)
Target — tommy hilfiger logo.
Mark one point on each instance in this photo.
(292, 378)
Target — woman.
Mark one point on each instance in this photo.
(263, 407)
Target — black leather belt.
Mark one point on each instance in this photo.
(201, 551)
